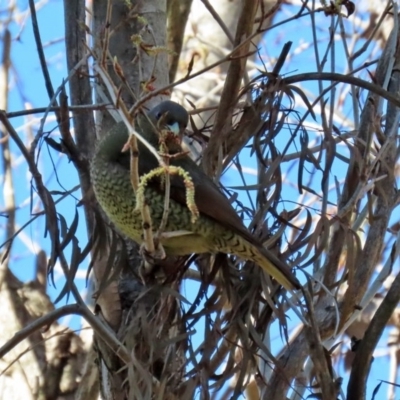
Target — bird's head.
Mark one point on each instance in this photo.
(171, 120)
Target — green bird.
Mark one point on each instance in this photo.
(218, 227)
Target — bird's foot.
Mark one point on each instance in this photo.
(150, 258)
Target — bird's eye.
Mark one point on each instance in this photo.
(158, 115)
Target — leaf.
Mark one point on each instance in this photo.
(71, 273)
(71, 231)
(304, 98)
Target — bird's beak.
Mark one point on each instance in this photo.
(175, 129)
(174, 133)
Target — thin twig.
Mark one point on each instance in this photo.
(42, 58)
(104, 332)
(81, 108)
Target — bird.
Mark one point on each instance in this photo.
(218, 228)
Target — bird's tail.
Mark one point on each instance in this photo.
(267, 261)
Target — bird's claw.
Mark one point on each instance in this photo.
(150, 258)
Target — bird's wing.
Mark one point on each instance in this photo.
(210, 201)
